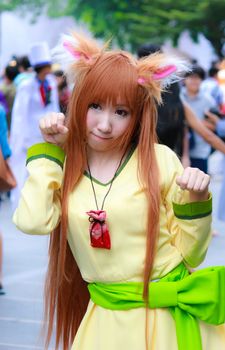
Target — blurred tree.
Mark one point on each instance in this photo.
(33, 6)
(133, 22)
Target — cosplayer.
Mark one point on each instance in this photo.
(35, 96)
(127, 222)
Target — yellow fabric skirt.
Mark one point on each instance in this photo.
(103, 329)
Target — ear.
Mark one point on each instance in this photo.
(76, 53)
(162, 69)
(164, 72)
(80, 47)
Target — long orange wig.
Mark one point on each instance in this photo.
(101, 76)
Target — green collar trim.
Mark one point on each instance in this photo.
(118, 171)
(48, 151)
(193, 210)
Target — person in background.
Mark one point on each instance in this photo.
(211, 87)
(63, 90)
(175, 117)
(3, 102)
(6, 154)
(25, 70)
(199, 102)
(35, 97)
(171, 125)
(8, 87)
(218, 125)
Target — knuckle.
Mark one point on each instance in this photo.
(60, 116)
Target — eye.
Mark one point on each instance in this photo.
(95, 106)
(122, 112)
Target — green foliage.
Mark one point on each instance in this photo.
(34, 7)
(133, 22)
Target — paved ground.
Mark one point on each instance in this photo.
(25, 261)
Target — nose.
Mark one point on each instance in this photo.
(104, 124)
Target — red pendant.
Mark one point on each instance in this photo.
(99, 233)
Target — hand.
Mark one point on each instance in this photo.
(209, 124)
(53, 128)
(196, 182)
(213, 118)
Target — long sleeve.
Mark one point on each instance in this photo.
(188, 223)
(4, 135)
(39, 208)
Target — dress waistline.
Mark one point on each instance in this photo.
(199, 295)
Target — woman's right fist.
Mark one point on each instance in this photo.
(53, 128)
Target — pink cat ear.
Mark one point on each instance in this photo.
(164, 72)
(160, 73)
(76, 54)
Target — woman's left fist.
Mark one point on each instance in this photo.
(196, 182)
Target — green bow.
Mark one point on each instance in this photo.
(200, 295)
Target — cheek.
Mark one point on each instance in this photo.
(122, 126)
(90, 120)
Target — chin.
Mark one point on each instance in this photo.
(97, 146)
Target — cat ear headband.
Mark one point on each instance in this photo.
(78, 53)
(161, 68)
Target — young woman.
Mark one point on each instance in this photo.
(216, 124)
(127, 221)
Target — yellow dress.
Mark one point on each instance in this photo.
(180, 239)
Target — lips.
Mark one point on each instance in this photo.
(101, 138)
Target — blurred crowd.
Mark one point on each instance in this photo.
(190, 119)
(30, 87)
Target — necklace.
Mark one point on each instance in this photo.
(99, 232)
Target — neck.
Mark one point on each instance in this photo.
(99, 157)
(192, 93)
(104, 164)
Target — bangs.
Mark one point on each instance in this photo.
(113, 80)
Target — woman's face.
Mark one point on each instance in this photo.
(105, 123)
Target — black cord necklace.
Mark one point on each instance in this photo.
(99, 233)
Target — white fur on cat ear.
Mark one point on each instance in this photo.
(75, 48)
(71, 45)
(61, 55)
(170, 70)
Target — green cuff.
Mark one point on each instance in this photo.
(48, 151)
(193, 210)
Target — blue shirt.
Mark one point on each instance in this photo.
(199, 104)
(220, 127)
(4, 134)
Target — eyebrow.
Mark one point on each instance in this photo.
(121, 105)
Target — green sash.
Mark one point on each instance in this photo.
(200, 295)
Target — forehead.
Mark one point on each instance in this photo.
(194, 77)
(112, 80)
(117, 101)
(114, 90)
